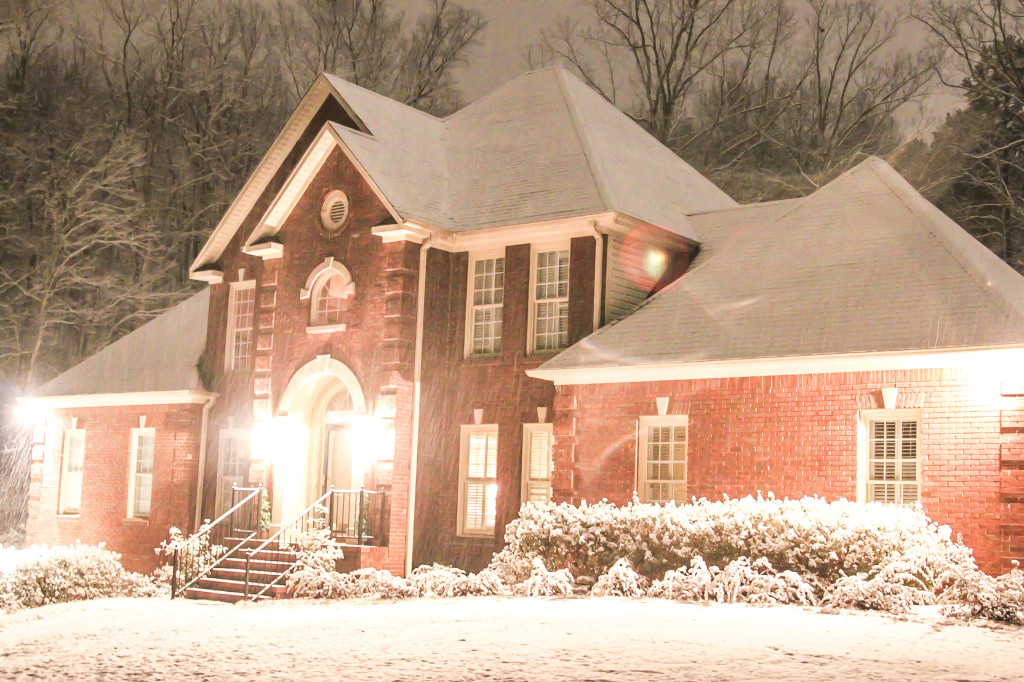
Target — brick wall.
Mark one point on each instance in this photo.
(798, 435)
(104, 507)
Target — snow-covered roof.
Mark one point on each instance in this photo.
(541, 147)
(863, 265)
(161, 355)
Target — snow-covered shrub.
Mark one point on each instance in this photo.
(818, 540)
(982, 596)
(620, 581)
(74, 573)
(685, 584)
(740, 581)
(445, 581)
(195, 553)
(545, 583)
(316, 549)
(425, 581)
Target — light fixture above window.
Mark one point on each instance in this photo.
(334, 211)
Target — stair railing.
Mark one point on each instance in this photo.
(288, 534)
(198, 556)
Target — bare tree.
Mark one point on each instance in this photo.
(367, 43)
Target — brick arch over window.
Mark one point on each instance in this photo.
(326, 287)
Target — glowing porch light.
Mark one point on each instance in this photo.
(30, 413)
(655, 262)
(371, 439)
(277, 440)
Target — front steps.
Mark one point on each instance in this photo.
(226, 582)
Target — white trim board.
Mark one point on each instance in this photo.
(181, 397)
(998, 360)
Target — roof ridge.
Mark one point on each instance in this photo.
(378, 95)
(756, 204)
(600, 182)
(898, 186)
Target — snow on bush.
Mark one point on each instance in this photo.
(817, 540)
(545, 583)
(740, 581)
(620, 581)
(316, 549)
(194, 551)
(46, 575)
(425, 581)
(982, 596)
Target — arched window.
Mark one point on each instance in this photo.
(327, 288)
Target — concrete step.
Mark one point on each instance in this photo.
(217, 595)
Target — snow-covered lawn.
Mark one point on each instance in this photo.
(494, 638)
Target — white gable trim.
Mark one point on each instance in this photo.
(299, 180)
(120, 399)
(268, 167)
(995, 360)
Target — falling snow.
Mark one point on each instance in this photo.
(495, 638)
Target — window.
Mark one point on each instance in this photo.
(232, 466)
(893, 465)
(537, 442)
(334, 211)
(551, 301)
(241, 310)
(329, 295)
(488, 289)
(72, 463)
(478, 479)
(140, 481)
(661, 470)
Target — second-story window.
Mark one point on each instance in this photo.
(328, 299)
(241, 312)
(487, 296)
(551, 301)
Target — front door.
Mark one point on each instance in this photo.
(337, 470)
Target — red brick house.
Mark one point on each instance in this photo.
(533, 299)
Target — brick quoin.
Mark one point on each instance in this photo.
(798, 435)
(104, 506)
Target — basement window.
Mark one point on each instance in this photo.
(478, 479)
(72, 464)
(891, 472)
(661, 458)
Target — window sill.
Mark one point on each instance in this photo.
(477, 535)
(325, 328)
(68, 515)
(137, 521)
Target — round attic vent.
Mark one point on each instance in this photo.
(335, 210)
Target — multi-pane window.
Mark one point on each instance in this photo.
(140, 493)
(537, 442)
(662, 474)
(241, 312)
(478, 492)
(72, 463)
(328, 300)
(893, 474)
(551, 301)
(233, 466)
(485, 312)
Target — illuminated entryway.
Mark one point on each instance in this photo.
(318, 421)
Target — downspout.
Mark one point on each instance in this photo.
(421, 296)
(598, 274)
(202, 460)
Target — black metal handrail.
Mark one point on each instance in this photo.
(350, 515)
(196, 558)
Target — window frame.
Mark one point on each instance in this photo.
(864, 421)
(133, 463)
(644, 424)
(536, 249)
(466, 432)
(225, 434)
(474, 258)
(232, 329)
(62, 494)
(315, 292)
(528, 431)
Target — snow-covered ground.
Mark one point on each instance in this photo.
(492, 638)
